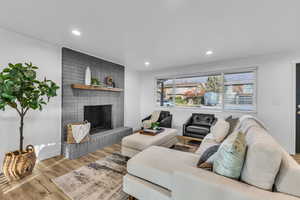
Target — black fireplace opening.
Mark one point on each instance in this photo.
(99, 116)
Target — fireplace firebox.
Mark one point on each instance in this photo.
(99, 116)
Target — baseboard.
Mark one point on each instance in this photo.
(48, 151)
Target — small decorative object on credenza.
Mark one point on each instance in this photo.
(20, 90)
(95, 82)
(109, 81)
(155, 125)
(151, 132)
(88, 76)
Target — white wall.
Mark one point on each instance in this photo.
(42, 129)
(132, 99)
(274, 92)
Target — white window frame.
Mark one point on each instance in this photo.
(220, 72)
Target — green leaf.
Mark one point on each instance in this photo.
(30, 74)
(7, 96)
(2, 105)
(19, 65)
(6, 70)
(19, 86)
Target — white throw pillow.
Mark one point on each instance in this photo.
(220, 130)
(207, 142)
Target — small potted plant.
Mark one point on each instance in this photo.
(20, 90)
(95, 81)
(155, 125)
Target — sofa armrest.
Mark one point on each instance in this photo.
(188, 122)
(193, 184)
(288, 178)
(214, 121)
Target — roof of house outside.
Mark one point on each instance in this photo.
(229, 79)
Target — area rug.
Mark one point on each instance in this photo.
(99, 180)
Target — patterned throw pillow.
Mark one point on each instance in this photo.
(230, 157)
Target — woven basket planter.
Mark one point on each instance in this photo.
(18, 165)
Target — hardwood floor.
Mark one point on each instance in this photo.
(39, 186)
(297, 158)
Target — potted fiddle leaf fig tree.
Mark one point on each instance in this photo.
(22, 91)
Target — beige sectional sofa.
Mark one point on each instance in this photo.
(159, 173)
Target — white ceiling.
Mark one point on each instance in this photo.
(164, 32)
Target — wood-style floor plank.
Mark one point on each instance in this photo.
(297, 158)
(39, 186)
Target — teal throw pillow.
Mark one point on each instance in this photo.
(230, 156)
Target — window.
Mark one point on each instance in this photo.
(239, 91)
(200, 91)
(164, 92)
(228, 91)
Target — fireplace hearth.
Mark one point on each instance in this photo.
(99, 116)
(103, 109)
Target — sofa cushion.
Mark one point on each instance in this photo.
(220, 130)
(288, 178)
(230, 157)
(263, 159)
(233, 122)
(197, 184)
(145, 190)
(245, 125)
(202, 119)
(157, 164)
(197, 129)
(163, 115)
(207, 142)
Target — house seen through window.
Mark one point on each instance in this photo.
(228, 91)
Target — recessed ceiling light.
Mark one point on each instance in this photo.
(147, 63)
(76, 32)
(209, 52)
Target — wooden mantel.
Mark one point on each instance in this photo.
(91, 87)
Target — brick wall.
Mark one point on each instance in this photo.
(73, 100)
